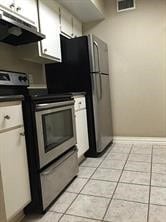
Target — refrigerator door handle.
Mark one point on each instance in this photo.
(100, 77)
(101, 89)
(98, 59)
(94, 86)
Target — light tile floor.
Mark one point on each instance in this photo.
(127, 184)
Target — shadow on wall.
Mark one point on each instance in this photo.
(9, 60)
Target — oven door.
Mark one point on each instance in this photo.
(56, 132)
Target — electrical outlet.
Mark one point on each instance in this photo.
(30, 78)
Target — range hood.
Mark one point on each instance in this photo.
(15, 31)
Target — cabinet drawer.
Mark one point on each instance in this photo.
(10, 115)
(55, 178)
(79, 103)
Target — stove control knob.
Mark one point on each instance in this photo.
(25, 79)
(22, 78)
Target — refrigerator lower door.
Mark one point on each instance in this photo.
(102, 110)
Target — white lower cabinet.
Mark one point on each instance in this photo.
(81, 125)
(14, 171)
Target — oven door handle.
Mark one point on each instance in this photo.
(59, 162)
(44, 106)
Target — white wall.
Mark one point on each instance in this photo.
(137, 57)
(99, 4)
(9, 60)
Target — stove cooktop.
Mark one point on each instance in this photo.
(43, 95)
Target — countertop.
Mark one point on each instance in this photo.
(11, 98)
(77, 93)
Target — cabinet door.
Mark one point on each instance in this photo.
(14, 171)
(50, 26)
(66, 22)
(27, 9)
(8, 4)
(82, 132)
(77, 27)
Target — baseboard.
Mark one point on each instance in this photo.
(152, 140)
(18, 218)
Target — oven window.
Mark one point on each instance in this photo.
(57, 128)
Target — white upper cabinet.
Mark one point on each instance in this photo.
(27, 9)
(85, 10)
(66, 22)
(8, 4)
(77, 27)
(49, 25)
(53, 21)
(69, 25)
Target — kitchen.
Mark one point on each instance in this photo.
(136, 46)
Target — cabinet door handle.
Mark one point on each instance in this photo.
(45, 50)
(18, 9)
(7, 117)
(22, 134)
(12, 5)
(80, 103)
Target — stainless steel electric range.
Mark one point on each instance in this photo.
(50, 136)
(52, 153)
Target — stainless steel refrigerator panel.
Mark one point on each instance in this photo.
(102, 110)
(98, 51)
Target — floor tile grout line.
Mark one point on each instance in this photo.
(111, 198)
(124, 170)
(159, 205)
(130, 201)
(158, 173)
(86, 183)
(115, 181)
(159, 163)
(117, 184)
(150, 185)
(158, 186)
(83, 217)
(138, 171)
(138, 184)
(139, 161)
(92, 195)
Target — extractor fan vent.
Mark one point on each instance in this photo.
(124, 5)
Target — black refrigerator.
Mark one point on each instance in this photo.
(85, 68)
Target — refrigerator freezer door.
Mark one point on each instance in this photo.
(98, 51)
(102, 110)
